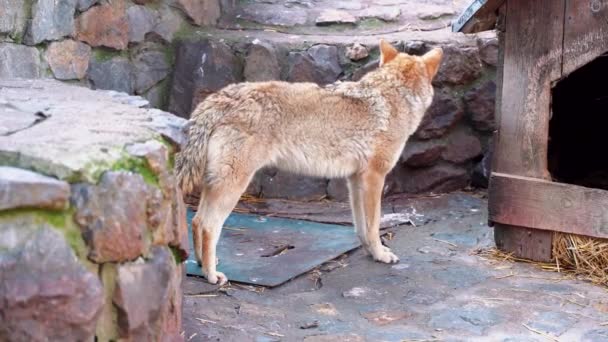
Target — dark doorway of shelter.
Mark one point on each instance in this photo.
(578, 131)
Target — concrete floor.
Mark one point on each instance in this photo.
(442, 290)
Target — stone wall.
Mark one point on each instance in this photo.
(92, 225)
(120, 44)
(449, 150)
(173, 53)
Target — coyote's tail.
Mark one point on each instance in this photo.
(191, 162)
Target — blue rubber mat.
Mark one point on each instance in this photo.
(270, 251)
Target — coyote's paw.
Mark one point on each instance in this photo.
(384, 254)
(218, 278)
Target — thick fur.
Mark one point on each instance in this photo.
(353, 130)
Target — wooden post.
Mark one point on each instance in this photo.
(532, 60)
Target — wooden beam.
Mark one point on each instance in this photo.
(540, 204)
(480, 15)
(524, 243)
(585, 33)
(531, 60)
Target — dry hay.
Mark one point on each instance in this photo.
(584, 256)
(573, 256)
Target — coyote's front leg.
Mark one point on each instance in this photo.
(366, 194)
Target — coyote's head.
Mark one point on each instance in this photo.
(413, 67)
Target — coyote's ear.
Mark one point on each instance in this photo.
(432, 60)
(387, 52)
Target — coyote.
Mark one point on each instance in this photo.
(352, 130)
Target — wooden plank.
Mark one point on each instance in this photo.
(524, 243)
(479, 16)
(585, 32)
(540, 204)
(532, 58)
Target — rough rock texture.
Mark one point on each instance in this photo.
(488, 50)
(83, 5)
(275, 183)
(140, 287)
(149, 67)
(262, 63)
(142, 21)
(21, 188)
(331, 16)
(460, 65)
(47, 295)
(12, 17)
(356, 52)
(422, 153)
(461, 147)
(113, 221)
(203, 13)
(168, 24)
(68, 59)
(51, 20)
(319, 65)
(105, 25)
(19, 61)
(95, 255)
(113, 74)
(204, 67)
(480, 104)
(444, 113)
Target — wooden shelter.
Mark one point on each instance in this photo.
(550, 165)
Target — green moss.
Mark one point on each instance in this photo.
(371, 23)
(176, 255)
(171, 152)
(186, 31)
(104, 54)
(62, 220)
(136, 165)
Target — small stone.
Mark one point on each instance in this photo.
(21, 188)
(488, 50)
(104, 25)
(415, 47)
(347, 5)
(39, 275)
(19, 61)
(12, 17)
(291, 186)
(552, 322)
(149, 68)
(51, 20)
(262, 63)
(141, 289)
(202, 68)
(332, 16)
(480, 103)
(462, 147)
(337, 190)
(83, 5)
(460, 65)
(356, 292)
(113, 74)
(68, 59)
(203, 13)
(356, 52)
(113, 216)
(382, 13)
(421, 153)
(382, 318)
(142, 21)
(444, 113)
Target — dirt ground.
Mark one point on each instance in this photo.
(443, 289)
